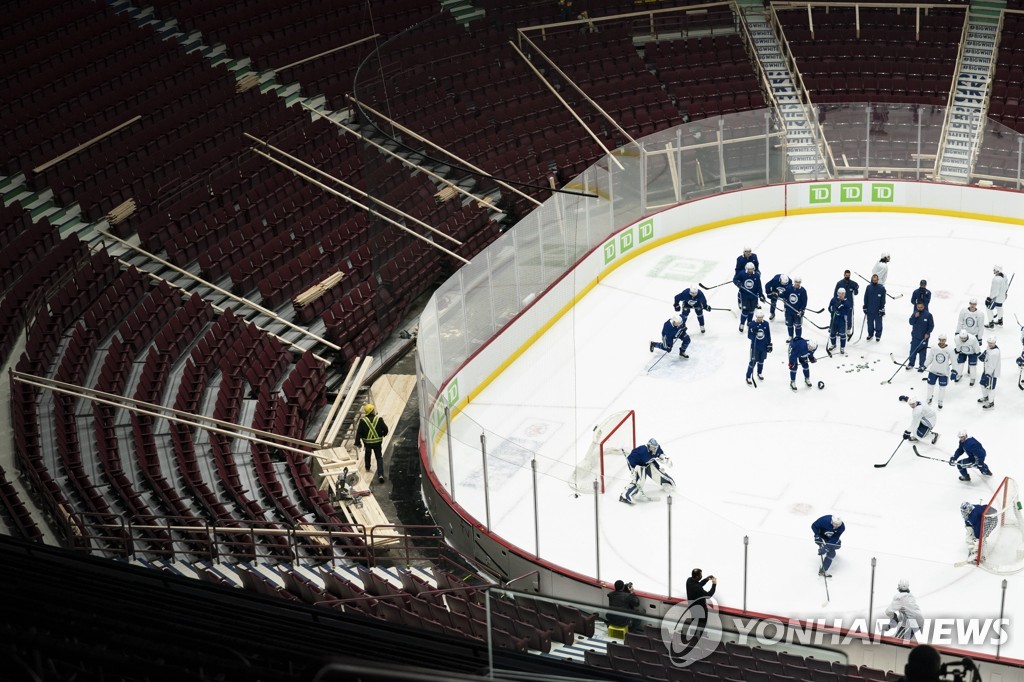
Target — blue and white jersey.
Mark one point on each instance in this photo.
(972, 321)
(939, 359)
(776, 288)
(824, 530)
(973, 520)
(796, 299)
(760, 335)
(641, 455)
(670, 331)
(749, 286)
(992, 359)
(691, 298)
(922, 415)
(741, 262)
(973, 449)
(969, 348)
(840, 309)
(999, 286)
(798, 350)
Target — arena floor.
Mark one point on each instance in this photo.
(761, 462)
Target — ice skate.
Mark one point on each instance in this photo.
(842, 351)
(652, 347)
(760, 378)
(983, 399)
(792, 385)
(702, 330)
(772, 316)
(749, 382)
(807, 382)
(823, 573)
(682, 354)
(965, 478)
(622, 498)
(989, 405)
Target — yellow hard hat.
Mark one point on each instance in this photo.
(368, 409)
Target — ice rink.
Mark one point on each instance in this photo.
(762, 462)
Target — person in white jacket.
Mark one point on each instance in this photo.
(996, 297)
(904, 613)
(992, 358)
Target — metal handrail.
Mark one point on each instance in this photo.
(937, 171)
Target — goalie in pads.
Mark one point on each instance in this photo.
(643, 462)
(975, 526)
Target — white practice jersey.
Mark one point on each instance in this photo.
(999, 286)
(882, 270)
(905, 608)
(972, 322)
(968, 347)
(992, 361)
(922, 414)
(938, 360)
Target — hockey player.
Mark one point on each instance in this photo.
(689, 299)
(827, 531)
(841, 310)
(852, 289)
(748, 283)
(973, 515)
(921, 295)
(975, 457)
(760, 335)
(922, 420)
(881, 269)
(991, 357)
(972, 319)
(748, 256)
(996, 297)
(777, 287)
(874, 307)
(795, 304)
(967, 350)
(904, 614)
(939, 359)
(642, 461)
(672, 329)
(801, 351)
(921, 326)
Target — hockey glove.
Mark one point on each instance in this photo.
(819, 541)
(906, 435)
(881, 313)
(762, 299)
(986, 379)
(981, 357)
(792, 366)
(675, 306)
(822, 550)
(1020, 361)
(770, 347)
(952, 461)
(988, 302)
(812, 358)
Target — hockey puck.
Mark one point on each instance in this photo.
(821, 384)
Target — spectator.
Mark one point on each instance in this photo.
(624, 599)
(923, 665)
(695, 586)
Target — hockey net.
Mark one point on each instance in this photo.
(614, 436)
(1001, 547)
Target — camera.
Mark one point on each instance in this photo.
(963, 670)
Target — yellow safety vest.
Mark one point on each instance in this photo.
(371, 430)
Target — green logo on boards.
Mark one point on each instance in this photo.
(626, 241)
(646, 229)
(609, 252)
(853, 193)
(453, 391)
(821, 194)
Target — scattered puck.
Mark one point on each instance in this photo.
(821, 384)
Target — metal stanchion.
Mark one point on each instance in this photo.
(871, 598)
(487, 488)
(597, 531)
(451, 459)
(746, 546)
(669, 545)
(1002, 610)
(536, 512)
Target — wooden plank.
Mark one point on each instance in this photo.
(350, 398)
(320, 437)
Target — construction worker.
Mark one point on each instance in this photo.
(370, 433)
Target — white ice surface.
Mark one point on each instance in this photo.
(761, 462)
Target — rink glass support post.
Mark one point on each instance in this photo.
(1020, 151)
(679, 161)
(767, 147)
(597, 532)
(746, 547)
(918, 175)
(721, 153)
(669, 512)
(490, 635)
(536, 512)
(867, 141)
(643, 177)
(451, 457)
(1002, 610)
(871, 599)
(487, 488)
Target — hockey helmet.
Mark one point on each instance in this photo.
(836, 521)
(962, 435)
(885, 255)
(784, 279)
(964, 335)
(749, 267)
(942, 337)
(812, 345)
(965, 508)
(797, 279)
(991, 341)
(903, 585)
(652, 445)
(997, 268)
(973, 301)
(924, 282)
(676, 320)
(747, 249)
(368, 408)
(759, 315)
(841, 290)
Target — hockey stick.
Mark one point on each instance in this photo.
(713, 286)
(901, 364)
(886, 463)
(944, 461)
(893, 297)
(964, 563)
(812, 322)
(824, 576)
(657, 361)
